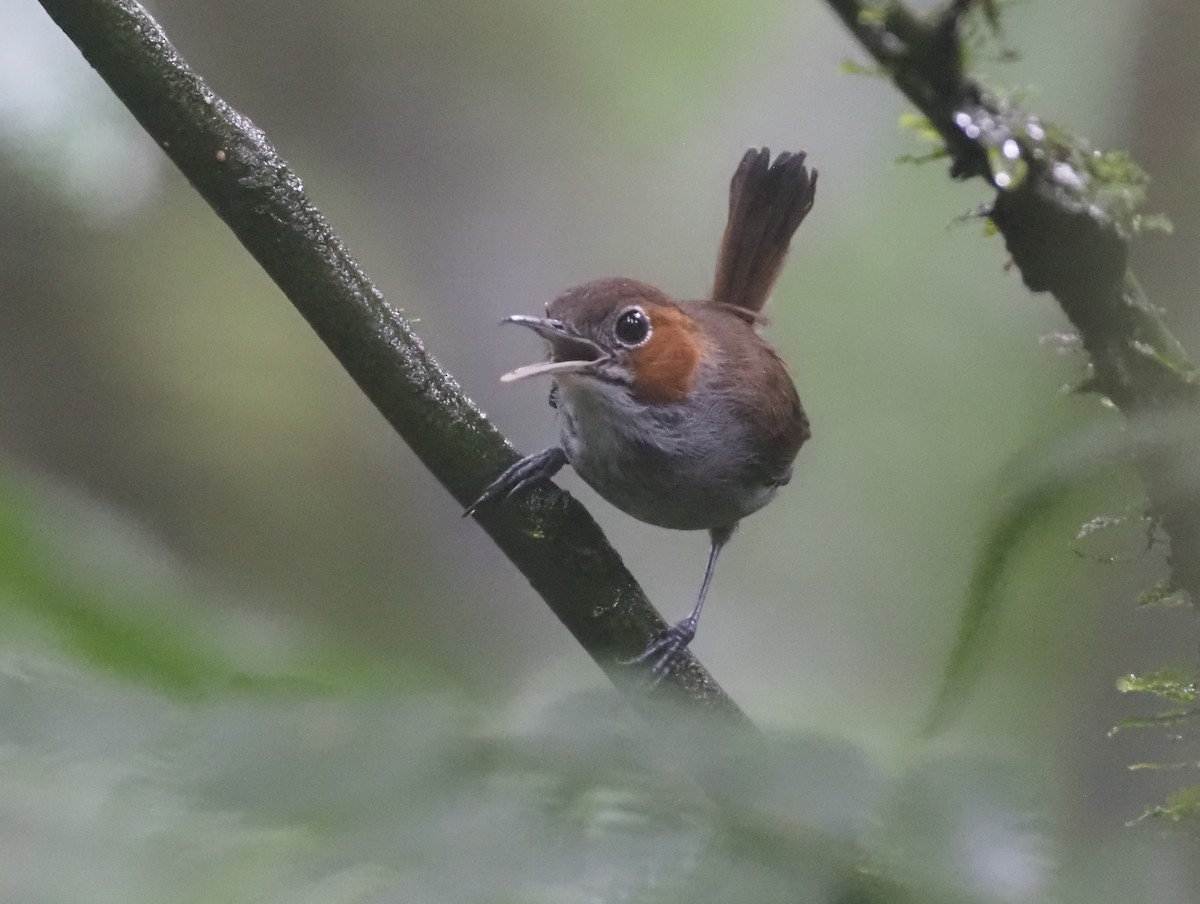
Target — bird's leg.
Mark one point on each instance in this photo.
(528, 471)
(666, 649)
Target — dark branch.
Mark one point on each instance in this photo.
(1067, 217)
(549, 536)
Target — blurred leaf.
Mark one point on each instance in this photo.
(1182, 806)
(921, 126)
(1163, 593)
(1153, 222)
(88, 624)
(973, 827)
(925, 132)
(309, 796)
(1176, 685)
(851, 67)
(873, 14)
(1163, 719)
(981, 607)
(917, 159)
(358, 798)
(1046, 478)
(146, 628)
(409, 797)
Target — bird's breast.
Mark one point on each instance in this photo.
(688, 465)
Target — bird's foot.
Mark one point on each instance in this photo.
(664, 650)
(525, 473)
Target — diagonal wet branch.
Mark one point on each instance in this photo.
(549, 536)
(1067, 217)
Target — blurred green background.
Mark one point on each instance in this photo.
(251, 652)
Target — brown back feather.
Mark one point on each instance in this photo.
(767, 203)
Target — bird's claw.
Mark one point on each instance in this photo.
(525, 473)
(665, 649)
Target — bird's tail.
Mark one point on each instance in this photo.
(767, 203)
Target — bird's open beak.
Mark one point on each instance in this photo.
(569, 352)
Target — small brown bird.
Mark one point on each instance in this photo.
(679, 413)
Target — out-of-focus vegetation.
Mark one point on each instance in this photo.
(252, 653)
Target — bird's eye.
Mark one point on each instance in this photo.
(633, 327)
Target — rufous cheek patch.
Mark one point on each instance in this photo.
(664, 368)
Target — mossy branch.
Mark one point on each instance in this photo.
(1067, 215)
(548, 535)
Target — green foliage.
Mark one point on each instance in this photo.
(982, 603)
(1163, 593)
(1177, 688)
(927, 134)
(142, 627)
(1183, 806)
(1119, 185)
(850, 67)
(982, 34)
(1109, 189)
(874, 13)
(1109, 184)
(412, 796)
(1007, 166)
(1170, 684)
(202, 768)
(920, 126)
(1044, 481)
(85, 622)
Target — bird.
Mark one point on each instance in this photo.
(678, 413)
